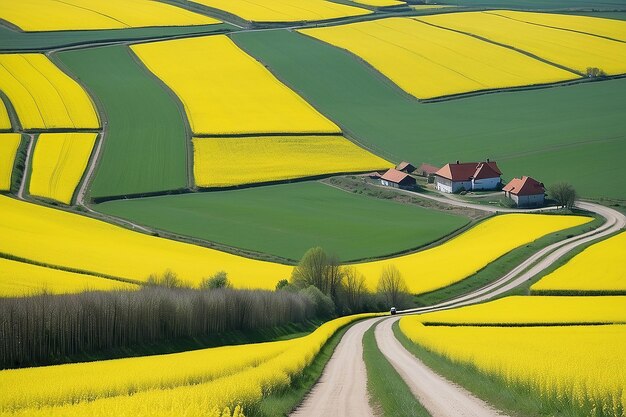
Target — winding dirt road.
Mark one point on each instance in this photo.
(345, 374)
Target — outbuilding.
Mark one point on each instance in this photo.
(398, 179)
(405, 167)
(426, 170)
(468, 176)
(526, 192)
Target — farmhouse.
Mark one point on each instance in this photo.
(405, 167)
(468, 176)
(525, 191)
(397, 179)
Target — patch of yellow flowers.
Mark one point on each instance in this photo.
(222, 381)
(9, 143)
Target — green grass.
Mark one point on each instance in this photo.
(287, 220)
(502, 266)
(11, 40)
(145, 145)
(388, 391)
(527, 132)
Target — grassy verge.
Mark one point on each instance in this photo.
(19, 165)
(502, 265)
(514, 400)
(283, 403)
(288, 331)
(389, 393)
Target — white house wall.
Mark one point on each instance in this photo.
(486, 184)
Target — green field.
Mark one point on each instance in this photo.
(145, 142)
(287, 220)
(11, 40)
(523, 130)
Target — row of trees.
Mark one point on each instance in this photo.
(41, 328)
(344, 287)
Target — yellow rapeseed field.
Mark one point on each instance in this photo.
(380, 3)
(59, 162)
(222, 162)
(201, 382)
(536, 310)
(225, 91)
(610, 28)
(600, 267)
(9, 143)
(575, 364)
(44, 15)
(43, 96)
(60, 238)
(570, 49)
(284, 10)
(18, 279)
(428, 62)
(467, 253)
(5, 122)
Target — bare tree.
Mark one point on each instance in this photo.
(355, 289)
(564, 194)
(392, 286)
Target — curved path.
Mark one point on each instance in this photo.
(438, 395)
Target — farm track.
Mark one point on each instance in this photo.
(439, 396)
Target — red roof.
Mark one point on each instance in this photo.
(403, 165)
(467, 170)
(394, 175)
(427, 168)
(524, 186)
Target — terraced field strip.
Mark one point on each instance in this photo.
(272, 11)
(573, 50)
(223, 162)
(380, 3)
(544, 132)
(287, 220)
(201, 382)
(5, 121)
(9, 144)
(145, 137)
(45, 15)
(20, 279)
(547, 5)
(598, 269)
(43, 96)
(428, 62)
(58, 164)
(227, 92)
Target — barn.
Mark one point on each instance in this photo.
(398, 179)
(526, 192)
(405, 167)
(468, 176)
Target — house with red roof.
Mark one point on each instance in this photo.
(397, 179)
(526, 192)
(468, 176)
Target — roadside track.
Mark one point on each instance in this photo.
(439, 396)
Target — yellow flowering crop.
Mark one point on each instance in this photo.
(380, 3)
(43, 15)
(427, 62)
(5, 122)
(43, 96)
(284, 10)
(600, 267)
(57, 237)
(578, 364)
(232, 161)
(226, 91)
(181, 384)
(59, 162)
(19, 279)
(570, 49)
(535, 310)
(9, 143)
(610, 28)
(467, 253)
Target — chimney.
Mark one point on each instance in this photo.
(457, 161)
(487, 159)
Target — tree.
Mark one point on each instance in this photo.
(281, 284)
(168, 279)
(354, 288)
(563, 193)
(324, 305)
(392, 286)
(593, 72)
(217, 280)
(319, 269)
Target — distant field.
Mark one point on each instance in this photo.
(513, 128)
(46, 15)
(287, 220)
(145, 138)
(540, 4)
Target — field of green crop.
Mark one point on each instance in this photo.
(523, 130)
(286, 220)
(145, 142)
